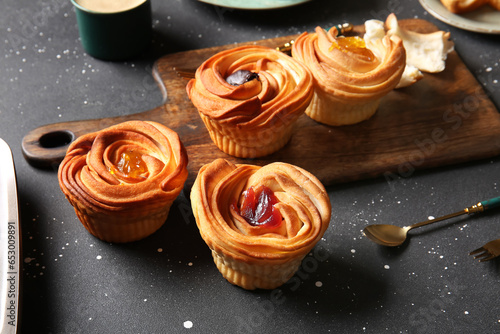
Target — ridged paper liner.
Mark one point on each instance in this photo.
(124, 227)
(248, 144)
(257, 275)
(331, 111)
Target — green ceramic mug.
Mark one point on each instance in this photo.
(114, 30)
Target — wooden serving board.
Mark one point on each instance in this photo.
(445, 118)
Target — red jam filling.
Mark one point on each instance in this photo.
(258, 208)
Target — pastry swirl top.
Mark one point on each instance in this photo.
(90, 172)
(283, 88)
(351, 75)
(302, 202)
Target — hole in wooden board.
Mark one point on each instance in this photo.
(56, 139)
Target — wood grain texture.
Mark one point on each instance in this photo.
(446, 118)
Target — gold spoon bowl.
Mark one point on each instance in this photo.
(392, 235)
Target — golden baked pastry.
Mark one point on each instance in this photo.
(427, 52)
(424, 52)
(375, 31)
(464, 6)
(249, 98)
(259, 222)
(122, 180)
(349, 78)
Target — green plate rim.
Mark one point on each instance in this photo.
(255, 4)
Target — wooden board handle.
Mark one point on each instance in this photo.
(46, 146)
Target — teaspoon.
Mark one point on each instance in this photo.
(391, 235)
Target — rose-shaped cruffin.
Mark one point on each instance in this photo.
(122, 180)
(254, 116)
(266, 253)
(349, 78)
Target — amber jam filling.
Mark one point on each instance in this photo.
(352, 44)
(131, 164)
(258, 208)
